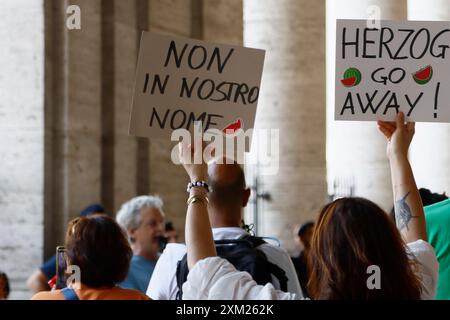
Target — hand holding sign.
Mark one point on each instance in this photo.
(402, 66)
(188, 152)
(399, 135)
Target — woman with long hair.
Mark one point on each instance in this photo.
(352, 237)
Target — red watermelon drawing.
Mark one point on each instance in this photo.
(424, 75)
(233, 127)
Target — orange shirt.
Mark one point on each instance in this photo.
(88, 293)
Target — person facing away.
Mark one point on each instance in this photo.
(171, 233)
(303, 236)
(437, 215)
(351, 237)
(4, 286)
(97, 245)
(143, 220)
(39, 279)
(228, 197)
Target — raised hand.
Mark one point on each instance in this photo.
(399, 135)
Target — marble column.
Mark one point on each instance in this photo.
(73, 115)
(430, 150)
(356, 155)
(211, 20)
(292, 99)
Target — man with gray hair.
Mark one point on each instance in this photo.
(143, 220)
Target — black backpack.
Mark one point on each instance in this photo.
(244, 255)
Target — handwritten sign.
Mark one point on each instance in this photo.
(180, 81)
(400, 66)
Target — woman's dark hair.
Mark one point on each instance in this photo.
(305, 227)
(429, 198)
(350, 235)
(99, 247)
(6, 289)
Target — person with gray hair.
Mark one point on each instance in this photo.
(143, 220)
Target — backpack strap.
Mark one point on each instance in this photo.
(69, 294)
(255, 241)
(278, 272)
(181, 276)
(252, 241)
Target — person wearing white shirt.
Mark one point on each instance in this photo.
(227, 198)
(352, 235)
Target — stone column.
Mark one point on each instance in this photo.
(167, 179)
(73, 116)
(126, 42)
(356, 150)
(292, 99)
(223, 21)
(430, 150)
(21, 140)
(210, 20)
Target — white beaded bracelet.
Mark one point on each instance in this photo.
(200, 184)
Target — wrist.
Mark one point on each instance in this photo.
(398, 155)
(198, 177)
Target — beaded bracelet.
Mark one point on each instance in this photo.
(199, 184)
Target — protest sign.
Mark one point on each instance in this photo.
(180, 81)
(400, 66)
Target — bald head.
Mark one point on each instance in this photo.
(229, 193)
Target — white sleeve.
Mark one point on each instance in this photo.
(215, 278)
(428, 267)
(281, 258)
(163, 283)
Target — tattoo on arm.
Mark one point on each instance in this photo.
(403, 213)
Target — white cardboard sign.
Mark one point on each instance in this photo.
(400, 66)
(180, 81)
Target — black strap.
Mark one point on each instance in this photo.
(255, 242)
(180, 276)
(69, 294)
(280, 274)
(250, 240)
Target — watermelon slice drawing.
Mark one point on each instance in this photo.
(233, 127)
(352, 77)
(424, 75)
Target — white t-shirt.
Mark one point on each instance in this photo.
(216, 279)
(163, 283)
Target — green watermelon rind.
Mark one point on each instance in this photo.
(423, 81)
(353, 72)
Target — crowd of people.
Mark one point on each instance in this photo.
(137, 255)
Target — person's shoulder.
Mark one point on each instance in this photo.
(270, 249)
(420, 246)
(175, 247)
(439, 208)
(174, 251)
(425, 255)
(129, 294)
(428, 267)
(48, 295)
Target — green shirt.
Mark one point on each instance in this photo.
(438, 229)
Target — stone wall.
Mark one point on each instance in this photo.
(21, 140)
(64, 110)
